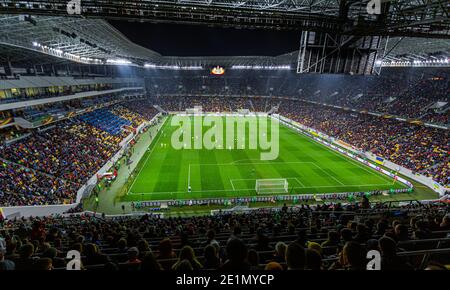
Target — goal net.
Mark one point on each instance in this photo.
(195, 110)
(269, 186)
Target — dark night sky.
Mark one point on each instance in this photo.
(196, 40)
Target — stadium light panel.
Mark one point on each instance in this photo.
(118, 61)
(61, 54)
(172, 67)
(259, 67)
(418, 63)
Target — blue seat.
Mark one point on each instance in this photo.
(105, 120)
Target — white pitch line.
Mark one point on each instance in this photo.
(301, 183)
(363, 167)
(232, 185)
(347, 185)
(189, 176)
(151, 151)
(257, 163)
(345, 157)
(234, 162)
(328, 174)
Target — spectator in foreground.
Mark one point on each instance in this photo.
(273, 266)
(149, 263)
(133, 256)
(280, 252)
(313, 260)
(237, 256)
(389, 259)
(353, 257)
(187, 254)
(183, 266)
(43, 264)
(165, 250)
(253, 259)
(333, 239)
(93, 256)
(295, 256)
(5, 264)
(25, 262)
(212, 260)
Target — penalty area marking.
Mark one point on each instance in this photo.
(251, 163)
(323, 170)
(364, 167)
(341, 184)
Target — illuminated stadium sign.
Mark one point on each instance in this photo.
(218, 70)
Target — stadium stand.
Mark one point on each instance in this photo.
(324, 237)
(21, 186)
(106, 121)
(26, 88)
(142, 107)
(406, 93)
(50, 165)
(416, 147)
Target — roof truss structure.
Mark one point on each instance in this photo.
(47, 23)
(422, 18)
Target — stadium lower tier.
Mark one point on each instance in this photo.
(327, 237)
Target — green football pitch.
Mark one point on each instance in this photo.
(167, 173)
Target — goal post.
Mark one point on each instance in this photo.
(269, 186)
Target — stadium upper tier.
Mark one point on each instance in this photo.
(417, 94)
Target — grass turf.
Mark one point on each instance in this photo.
(164, 173)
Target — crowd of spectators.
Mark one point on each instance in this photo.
(419, 148)
(50, 165)
(438, 116)
(58, 109)
(208, 104)
(20, 186)
(408, 94)
(403, 92)
(123, 112)
(324, 237)
(70, 150)
(142, 107)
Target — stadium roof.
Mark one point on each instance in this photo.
(92, 40)
(89, 38)
(400, 17)
(401, 48)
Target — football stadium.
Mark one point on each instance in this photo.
(224, 136)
